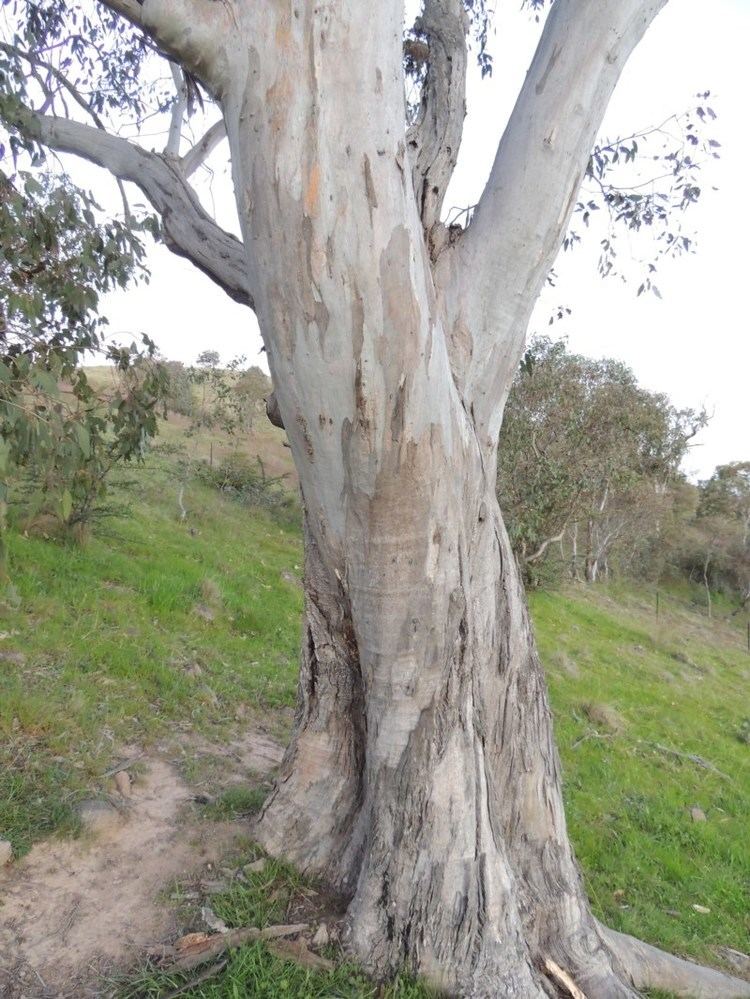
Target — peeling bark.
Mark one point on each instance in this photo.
(310, 815)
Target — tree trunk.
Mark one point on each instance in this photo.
(424, 722)
(422, 779)
(574, 573)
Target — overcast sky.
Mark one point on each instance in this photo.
(692, 344)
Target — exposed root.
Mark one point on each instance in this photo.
(648, 967)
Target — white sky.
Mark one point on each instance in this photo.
(692, 344)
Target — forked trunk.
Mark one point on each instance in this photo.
(422, 780)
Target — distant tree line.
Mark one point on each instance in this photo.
(590, 480)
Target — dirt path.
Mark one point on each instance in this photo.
(74, 910)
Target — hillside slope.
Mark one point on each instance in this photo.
(162, 630)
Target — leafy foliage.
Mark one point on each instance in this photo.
(79, 53)
(60, 440)
(231, 397)
(480, 14)
(647, 181)
(717, 547)
(584, 446)
(180, 392)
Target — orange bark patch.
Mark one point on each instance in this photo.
(283, 34)
(312, 191)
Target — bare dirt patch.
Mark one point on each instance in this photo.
(72, 911)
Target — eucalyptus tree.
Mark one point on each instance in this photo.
(422, 779)
(60, 439)
(583, 445)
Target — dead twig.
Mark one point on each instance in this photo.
(122, 766)
(699, 761)
(563, 978)
(204, 976)
(206, 947)
(591, 735)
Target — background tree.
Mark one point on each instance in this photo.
(422, 779)
(59, 439)
(180, 397)
(727, 492)
(721, 533)
(587, 459)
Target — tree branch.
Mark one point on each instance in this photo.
(196, 156)
(434, 139)
(189, 32)
(522, 215)
(188, 229)
(178, 110)
(545, 545)
(130, 9)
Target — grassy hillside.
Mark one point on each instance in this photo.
(161, 628)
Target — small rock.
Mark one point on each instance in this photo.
(6, 852)
(256, 867)
(98, 817)
(212, 921)
(321, 937)
(702, 909)
(697, 814)
(123, 783)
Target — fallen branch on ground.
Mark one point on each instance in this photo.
(125, 765)
(591, 735)
(206, 947)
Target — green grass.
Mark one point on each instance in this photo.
(236, 803)
(264, 898)
(153, 627)
(681, 684)
(160, 628)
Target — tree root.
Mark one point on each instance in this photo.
(648, 967)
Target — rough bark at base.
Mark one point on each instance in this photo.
(441, 817)
(310, 815)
